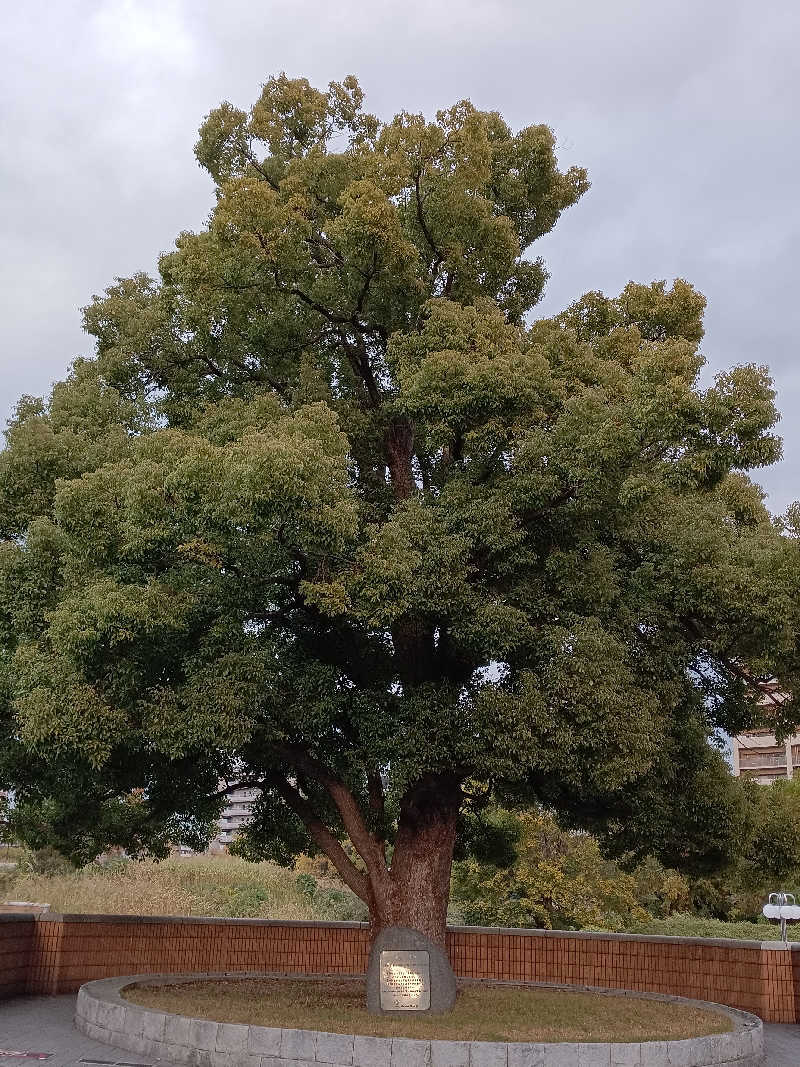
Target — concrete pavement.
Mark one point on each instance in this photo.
(44, 1025)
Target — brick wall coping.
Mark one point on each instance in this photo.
(188, 920)
(607, 935)
(506, 931)
(104, 1015)
(17, 917)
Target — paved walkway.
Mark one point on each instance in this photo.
(44, 1024)
(783, 1045)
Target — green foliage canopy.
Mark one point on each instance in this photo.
(329, 512)
(523, 869)
(557, 880)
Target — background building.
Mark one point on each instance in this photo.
(757, 753)
(235, 815)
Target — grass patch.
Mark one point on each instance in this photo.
(226, 886)
(216, 886)
(482, 1012)
(683, 925)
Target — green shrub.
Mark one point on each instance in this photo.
(340, 905)
(684, 925)
(307, 885)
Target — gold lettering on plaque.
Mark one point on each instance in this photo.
(405, 981)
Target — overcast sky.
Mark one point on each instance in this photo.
(684, 113)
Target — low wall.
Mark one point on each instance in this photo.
(73, 949)
(753, 976)
(16, 943)
(104, 1015)
(61, 952)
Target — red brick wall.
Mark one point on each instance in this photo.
(59, 953)
(45, 963)
(77, 948)
(781, 996)
(16, 940)
(729, 972)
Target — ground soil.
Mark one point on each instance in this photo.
(482, 1013)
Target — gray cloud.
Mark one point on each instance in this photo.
(683, 113)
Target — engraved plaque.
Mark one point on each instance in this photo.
(405, 981)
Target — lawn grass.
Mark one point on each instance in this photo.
(482, 1012)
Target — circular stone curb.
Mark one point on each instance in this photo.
(102, 1014)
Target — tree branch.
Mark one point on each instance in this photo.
(438, 257)
(252, 375)
(365, 844)
(765, 687)
(359, 360)
(249, 155)
(377, 805)
(357, 354)
(323, 838)
(375, 788)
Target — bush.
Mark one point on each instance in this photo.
(43, 861)
(340, 905)
(685, 925)
(558, 880)
(307, 885)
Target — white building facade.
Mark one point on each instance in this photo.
(236, 814)
(757, 753)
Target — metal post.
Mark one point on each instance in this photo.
(774, 910)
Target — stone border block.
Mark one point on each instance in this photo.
(598, 1054)
(628, 1054)
(299, 1045)
(560, 1055)
(450, 1053)
(203, 1034)
(134, 1020)
(176, 1030)
(153, 1025)
(488, 1054)
(264, 1040)
(102, 1014)
(410, 1052)
(335, 1048)
(232, 1037)
(528, 1055)
(371, 1051)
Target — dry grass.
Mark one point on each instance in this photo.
(196, 885)
(482, 1012)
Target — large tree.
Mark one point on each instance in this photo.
(328, 512)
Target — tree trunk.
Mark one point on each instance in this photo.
(399, 449)
(416, 892)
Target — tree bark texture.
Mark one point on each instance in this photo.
(413, 890)
(416, 889)
(399, 449)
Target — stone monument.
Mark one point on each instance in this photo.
(407, 972)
